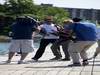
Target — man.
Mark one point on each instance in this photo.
(64, 40)
(98, 42)
(22, 31)
(86, 36)
(46, 29)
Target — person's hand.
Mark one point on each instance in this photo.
(39, 28)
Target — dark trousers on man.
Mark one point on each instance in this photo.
(64, 44)
(42, 47)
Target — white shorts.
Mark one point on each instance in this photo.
(79, 46)
(25, 46)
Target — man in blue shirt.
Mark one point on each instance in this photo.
(86, 36)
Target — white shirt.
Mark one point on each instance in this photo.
(49, 29)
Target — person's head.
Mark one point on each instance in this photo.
(26, 20)
(48, 19)
(76, 19)
(67, 21)
(20, 19)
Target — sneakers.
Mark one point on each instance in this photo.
(56, 58)
(20, 62)
(8, 61)
(66, 59)
(74, 64)
(34, 59)
(85, 62)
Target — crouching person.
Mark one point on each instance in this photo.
(98, 48)
(22, 30)
(85, 38)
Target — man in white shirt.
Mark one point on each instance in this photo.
(47, 28)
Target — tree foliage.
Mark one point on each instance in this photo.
(20, 7)
(59, 14)
(14, 8)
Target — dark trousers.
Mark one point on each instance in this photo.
(64, 44)
(43, 44)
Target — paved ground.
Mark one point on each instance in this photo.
(46, 67)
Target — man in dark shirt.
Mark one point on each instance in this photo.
(22, 31)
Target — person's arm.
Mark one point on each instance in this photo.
(66, 34)
(41, 30)
(34, 34)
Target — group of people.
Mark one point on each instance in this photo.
(75, 37)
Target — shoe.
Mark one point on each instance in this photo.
(85, 62)
(19, 52)
(8, 61)
(20, 62)
(66, 59)
(74, 64)
(17, 55)
(56, 58)
(34, 59)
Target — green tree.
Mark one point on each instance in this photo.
(12, 8)
(59, 14)
(21, 7)
(17, 7)
(2, 8)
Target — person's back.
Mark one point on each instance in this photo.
(85, 31)
(22, 40)
(23, 28)
(86, 36)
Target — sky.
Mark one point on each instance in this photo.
(91, 4)
(88, 4)
(1, 1)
